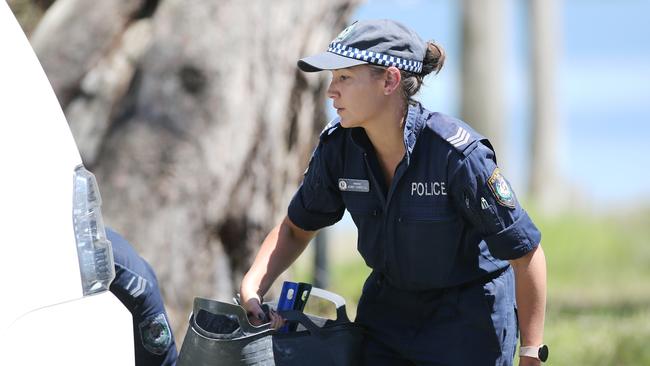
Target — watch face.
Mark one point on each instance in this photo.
(542, 354)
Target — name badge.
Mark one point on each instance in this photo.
(354, 185)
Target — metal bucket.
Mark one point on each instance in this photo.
(219, 334)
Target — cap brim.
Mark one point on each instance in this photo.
(327, 61)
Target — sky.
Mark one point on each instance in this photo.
(602, 82)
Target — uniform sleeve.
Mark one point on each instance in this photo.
(488, 202)
(318, 202)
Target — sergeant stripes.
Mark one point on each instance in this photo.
(139, 288)
(375, 57)
(460, 138)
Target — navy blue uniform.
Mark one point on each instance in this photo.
(438, 239)
(136, 286)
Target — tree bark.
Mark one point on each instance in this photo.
(74, 35)
(544, 180)
(483, 103)
(29, 12)
(195, 120)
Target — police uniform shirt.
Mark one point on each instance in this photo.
(136, 286)
(447, 218)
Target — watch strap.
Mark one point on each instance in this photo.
(531, 351)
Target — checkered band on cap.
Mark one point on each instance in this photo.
(375, 57)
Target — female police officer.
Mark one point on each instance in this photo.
(437, 221)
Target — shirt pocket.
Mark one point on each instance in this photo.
(427, 242)
(367, 216)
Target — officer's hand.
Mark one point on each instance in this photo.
(529, 361)
(254, 310)
(256, 315)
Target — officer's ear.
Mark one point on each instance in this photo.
(392, 80)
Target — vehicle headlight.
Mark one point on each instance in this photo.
(93, 248)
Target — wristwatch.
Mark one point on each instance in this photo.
(539, 352)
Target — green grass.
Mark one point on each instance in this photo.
(598, 310)
(346, 279)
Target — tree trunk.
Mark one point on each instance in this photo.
(543, 184)
(195, 120)
(29, 12)
(483, 103)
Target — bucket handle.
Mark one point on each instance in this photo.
(218, 307)
(338, 300)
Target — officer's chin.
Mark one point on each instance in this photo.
(345, 123)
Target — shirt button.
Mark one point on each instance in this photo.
(399, 219)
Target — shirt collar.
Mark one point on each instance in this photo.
(413, 124)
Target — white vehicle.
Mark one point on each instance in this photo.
(55, 307)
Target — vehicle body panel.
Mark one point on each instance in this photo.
(43, 307)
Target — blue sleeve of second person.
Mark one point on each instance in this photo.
(488, 202)
(317, 203)
(136, 286)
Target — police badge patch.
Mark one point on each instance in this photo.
(501, 189)
(155, 334)
(345, 32)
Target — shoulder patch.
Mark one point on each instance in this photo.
(456, 132)
(501, 189)
(155, 334)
